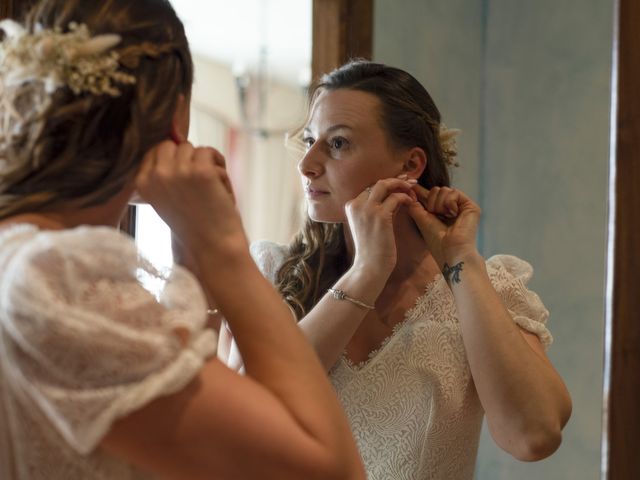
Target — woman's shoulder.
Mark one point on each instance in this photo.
(32, 237)
(27, 245)
(85, 297)
(269, 256)
(510, 277)
(86, 266)
(504, 267)
(66, 256)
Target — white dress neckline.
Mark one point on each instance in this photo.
(409, 316)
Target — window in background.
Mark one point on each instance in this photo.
(252, 69)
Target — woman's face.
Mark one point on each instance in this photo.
(347, 151)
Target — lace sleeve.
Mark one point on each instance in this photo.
(269, 257)
(93, 332)
(510, 276)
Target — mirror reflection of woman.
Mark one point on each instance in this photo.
(103, 376)
(421, 336)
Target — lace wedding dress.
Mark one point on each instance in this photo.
(84, 341)
(412, 405)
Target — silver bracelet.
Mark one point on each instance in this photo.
(340, 295)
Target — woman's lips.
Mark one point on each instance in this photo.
(313, 193)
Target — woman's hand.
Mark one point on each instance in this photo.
(448, 221)
(190, 189)
(370, 216)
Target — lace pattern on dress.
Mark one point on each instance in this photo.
(83, 343)
(269, 256)
(409, 316)
(412, 406)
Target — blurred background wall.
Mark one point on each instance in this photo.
(529, 85)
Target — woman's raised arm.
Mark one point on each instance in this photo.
(283, 419)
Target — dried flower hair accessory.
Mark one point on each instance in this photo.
(74, 59)
(447, 137)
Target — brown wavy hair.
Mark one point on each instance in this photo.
(85, 147)
(317, 256)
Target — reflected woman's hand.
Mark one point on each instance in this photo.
(370, 216)
(448, 221)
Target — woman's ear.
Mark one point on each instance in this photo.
(414, 163)
(181, 119)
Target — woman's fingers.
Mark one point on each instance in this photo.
(171, 167)
(210, 162)
(382, 188)
(443, 207)
(144, 178)
(166, 153)
(441, 201)
(447, 202)
(427, 223)
(218, 157)
(182, 161)
(395, 201)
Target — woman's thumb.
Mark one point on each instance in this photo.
(427, 223)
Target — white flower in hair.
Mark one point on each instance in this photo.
(74, 59)
(447, 138)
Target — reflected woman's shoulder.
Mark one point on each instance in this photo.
(269, 256)
(516, 266)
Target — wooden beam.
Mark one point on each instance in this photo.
(342, 29)
(15, 8)
(128, 222)
(6, 8)
(621, 432)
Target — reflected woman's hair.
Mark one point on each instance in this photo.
(409, 116)
(51, 131)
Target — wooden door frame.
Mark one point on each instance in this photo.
(14, 8)
(342, 30)
(621, 396)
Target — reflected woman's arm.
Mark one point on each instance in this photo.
(525, 401)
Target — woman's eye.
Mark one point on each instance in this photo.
(338, 143)
(308, 142)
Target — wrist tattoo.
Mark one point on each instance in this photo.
(452, 274)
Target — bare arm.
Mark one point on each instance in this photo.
(288, 423)
(330, 324)
(524, 398)
(284, 413)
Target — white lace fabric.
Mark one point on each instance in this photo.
(412, 405)
(84, 342)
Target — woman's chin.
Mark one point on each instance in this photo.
(325, 217)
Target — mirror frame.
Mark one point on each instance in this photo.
(342, 29)
(621, 389)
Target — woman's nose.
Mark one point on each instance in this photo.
(310, 165)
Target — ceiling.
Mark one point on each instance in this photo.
(234, 32)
